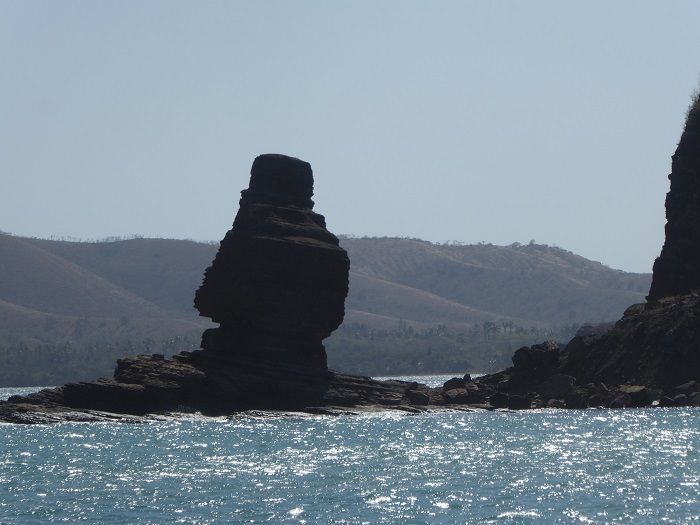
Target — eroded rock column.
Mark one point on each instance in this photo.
(278, 284)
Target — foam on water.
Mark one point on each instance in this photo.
(596, 466)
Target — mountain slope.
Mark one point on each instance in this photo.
(373, 295)
(402, 279)
(532, 282)
(165, 272)
(40, 280)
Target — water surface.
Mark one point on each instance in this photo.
(597, 466)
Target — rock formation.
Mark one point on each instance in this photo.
(277, 288)
(677, 270)
(278, 284)
(650, 355)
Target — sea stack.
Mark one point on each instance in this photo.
(277, 288)
(278, 284)
(677, 270)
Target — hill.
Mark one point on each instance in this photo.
(35, 278)
(413, 305)
(165, 272)
(528, 284)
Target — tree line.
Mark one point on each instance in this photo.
(407, 350)
(46, 364)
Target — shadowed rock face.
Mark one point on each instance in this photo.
(653, 352)
(278, 283)
(677, 270)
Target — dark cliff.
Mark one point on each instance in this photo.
(677, 270)
(652, 354)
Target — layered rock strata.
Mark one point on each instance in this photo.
(278, 284)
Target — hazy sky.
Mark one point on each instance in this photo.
(470, 121)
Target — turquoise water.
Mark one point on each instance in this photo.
(596, 466)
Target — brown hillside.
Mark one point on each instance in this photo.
(37, 279)
(540, 283)
(69, 309)
(18, 323)
(373, 295)
(163, 271)
(391, 278)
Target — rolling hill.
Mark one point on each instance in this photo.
(136, 295)
(528, 284)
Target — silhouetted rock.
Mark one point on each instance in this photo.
(418, 397)
(555, 403)
(652, 353)
(499, 399)
(455, 382)
(694, 399)
(277, 288)
(532, 365)
(655, 347)
(456, 396)
(687, 388)
(639, 396)
(555, 386)
(518, 402)
(677, 270)
(278, 283)
(588, 330)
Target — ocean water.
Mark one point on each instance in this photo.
(597, 466)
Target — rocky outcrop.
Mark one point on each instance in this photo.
(277, 288)
(658, 347)
(648, 359)
(651, 355)
(677, 270)
(278, 284)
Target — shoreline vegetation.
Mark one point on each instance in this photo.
(354, 348)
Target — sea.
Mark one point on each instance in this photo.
(638, 466)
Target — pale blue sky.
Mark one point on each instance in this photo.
(471, 121)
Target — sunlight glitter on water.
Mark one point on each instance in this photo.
(595, 466)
